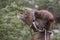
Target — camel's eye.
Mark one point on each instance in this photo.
(21, 13)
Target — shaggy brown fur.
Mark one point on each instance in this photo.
(45, 18)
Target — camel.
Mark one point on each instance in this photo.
(43, 17)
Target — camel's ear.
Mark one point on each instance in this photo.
(20, 10)
(37, 15)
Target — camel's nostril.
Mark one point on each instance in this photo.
(18, 17)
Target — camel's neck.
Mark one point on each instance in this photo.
(28, 21)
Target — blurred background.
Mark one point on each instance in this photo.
(13, 29)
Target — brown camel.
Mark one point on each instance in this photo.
(43, 17)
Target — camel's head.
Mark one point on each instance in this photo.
(23, 14)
